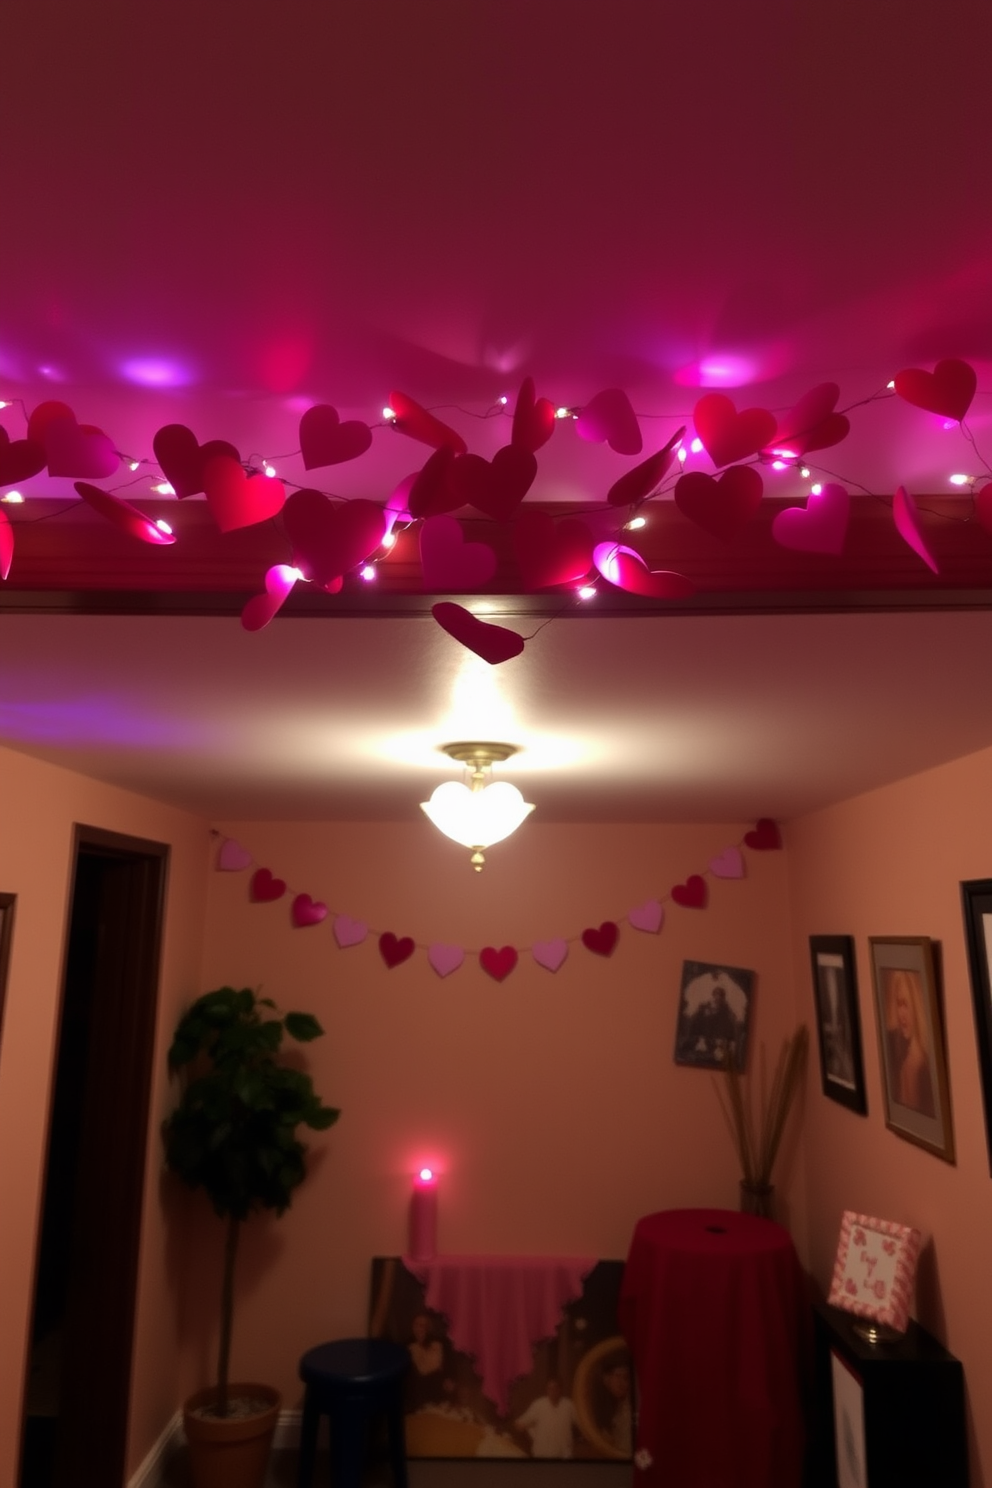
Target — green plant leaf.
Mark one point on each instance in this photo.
(303, 1027)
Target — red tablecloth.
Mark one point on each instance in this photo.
(498, 1307)
(715, 1309)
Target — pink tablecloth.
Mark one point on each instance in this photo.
(498, 1307)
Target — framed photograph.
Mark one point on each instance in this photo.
(714, 1014)
(976, 902)
(875, 1269)
(7, 902)
(838, 1021)
(911, 1042)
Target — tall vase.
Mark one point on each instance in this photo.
(756, 1198)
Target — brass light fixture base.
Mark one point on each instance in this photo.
(480, 755)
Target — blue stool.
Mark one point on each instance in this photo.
(351, 1381)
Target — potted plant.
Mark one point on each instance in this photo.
(234, 1133)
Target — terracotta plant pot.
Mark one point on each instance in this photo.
(230, 1452)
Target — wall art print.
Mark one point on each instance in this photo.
(714, 1015)
(911, 1042)
(838, 1020)
(875, 1269)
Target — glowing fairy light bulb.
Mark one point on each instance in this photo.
(14, 497)
(636, 522)
(163, 526)
(804, 471)
(367, 573)
(389, 540)
(816, 488)
(389, 414)
(959, 480)
(133, 464)
(683, 454)
(562, 413)
(778, 464)
(270, 470)
(696, 446)
(164, 489)
(890, 385)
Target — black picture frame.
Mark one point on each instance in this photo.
(714, 1015)
(838, 1020)
(7, 904)
(911, 1047)
(976, 905)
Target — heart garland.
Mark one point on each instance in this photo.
(497, 962)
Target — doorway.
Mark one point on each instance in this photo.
(76, 1396)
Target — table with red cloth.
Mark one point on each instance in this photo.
(715, 1308)
(498, 1307)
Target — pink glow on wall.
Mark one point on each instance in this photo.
(155, 372)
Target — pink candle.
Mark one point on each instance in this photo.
(423, 1216)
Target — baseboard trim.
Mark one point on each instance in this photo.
(148, 1475)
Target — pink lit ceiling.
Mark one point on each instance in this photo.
(221, 215)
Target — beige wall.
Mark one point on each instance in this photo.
(550, 1103)
(890, 863)
(38, 806)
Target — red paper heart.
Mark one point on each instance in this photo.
(533, 419)
(633, 574)
(609, 418)
(6, 545)
(494, 643)
(262, 608)
(498, 963)
(728, 435)
(238, 500)
(644, 478)
(723, 506)
(264, 887)
(947, 390)
(603, 940)
(432, 492)
(550, 552)
(818, 527)
(183, 460)
(812, 423)
(125, 516)
(324, 440)
(411, 419)
(496, 488)
(765, 837)
(983, 507)
(906, 517)
(328, 540)
(691, 894)
(395, 951)
(449, 562)
(20, 459)
(307, 911)
(70, 448)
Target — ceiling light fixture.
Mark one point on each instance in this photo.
(481, 814)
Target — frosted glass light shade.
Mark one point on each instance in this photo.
(477, 818)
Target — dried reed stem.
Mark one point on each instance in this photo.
(758, 1149)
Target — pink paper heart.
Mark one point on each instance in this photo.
(811, 423)
(645, 478)
(264, 888)
(349, 932)
(723, 506)
(649, 916)
(765, 836)
(533, 419)
(124, 516)
(905, 515)
(415, 421)
(261, 608)
(328, 540)
(20, 459)
(324, 440)
(495, 487)
(238, 500)
(70, 448)
(609, 418)
(232, 857)
(727, 435)
(183, 460)
(692, 893)
(947, 390)
(601, 939)
(498, 963)
(818, 527)
(550, 552)
(549, 953)
(307, 911)
(6, 544)
(727, 864)
(393, 950)
(494, 643)
(451, 563)
(626, 568)
(445, 958)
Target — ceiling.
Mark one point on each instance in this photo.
(220, 215)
